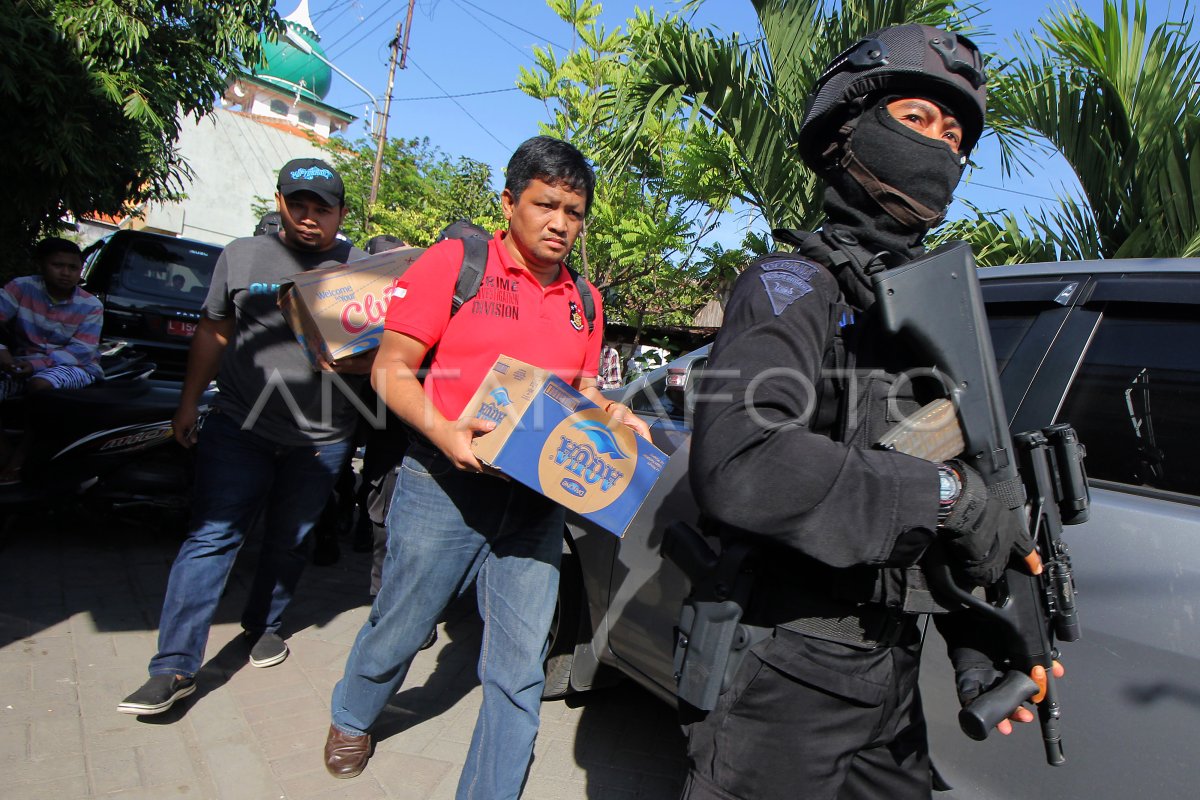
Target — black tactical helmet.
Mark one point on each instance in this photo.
(382, 242)
(906, 59)
(269, 225)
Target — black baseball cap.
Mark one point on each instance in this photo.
(312, 175)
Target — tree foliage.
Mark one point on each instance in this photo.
(643, 243)
(421, 190)
(1119, 101)
(96, 86)
(754, 91)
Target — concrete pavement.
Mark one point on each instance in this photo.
(79, 604)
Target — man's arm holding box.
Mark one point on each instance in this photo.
(618, 411)
(394, 377)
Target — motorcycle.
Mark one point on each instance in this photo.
(108, 446)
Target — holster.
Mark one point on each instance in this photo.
(711, 639)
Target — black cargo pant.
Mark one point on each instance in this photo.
(811, 719)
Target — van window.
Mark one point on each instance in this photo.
(1134, 398)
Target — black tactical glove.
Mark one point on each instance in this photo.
(974, 673)
(979, 530)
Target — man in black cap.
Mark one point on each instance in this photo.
(269, 447)
(826, 706)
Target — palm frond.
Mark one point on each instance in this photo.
(1115, 98)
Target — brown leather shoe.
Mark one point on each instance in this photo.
(346, 755)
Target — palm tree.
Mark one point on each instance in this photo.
(1121, 104)
(754, 91)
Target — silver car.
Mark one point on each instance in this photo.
(1112, 347)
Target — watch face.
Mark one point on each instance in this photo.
(948, 485)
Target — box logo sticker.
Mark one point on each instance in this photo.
(584, 458)
(493, 407)
(357, 316)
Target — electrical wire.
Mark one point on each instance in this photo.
(329, 48)
(1012, 191)
(538, 36)
(491, 30)
(452, 96)
(461, 107)
(345, 5)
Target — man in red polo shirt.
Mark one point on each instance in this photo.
(451, 521)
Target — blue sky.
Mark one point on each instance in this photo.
(472, 49)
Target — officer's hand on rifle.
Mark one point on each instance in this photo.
(980, 531)
(974, 674)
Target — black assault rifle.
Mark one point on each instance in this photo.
(936, 305)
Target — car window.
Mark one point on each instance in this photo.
(177, 270)
(653, 399)
(1135, 395)
(1008, 323)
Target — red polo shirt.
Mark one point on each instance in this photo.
(512, 314)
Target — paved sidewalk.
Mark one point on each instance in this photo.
(79, 604)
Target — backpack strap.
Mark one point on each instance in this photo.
(475, 249)
(470, 273)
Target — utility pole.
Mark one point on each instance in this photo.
(387, 102)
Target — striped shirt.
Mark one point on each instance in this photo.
(52, 333)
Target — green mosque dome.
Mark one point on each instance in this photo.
(288, 66)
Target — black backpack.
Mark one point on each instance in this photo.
(470, 275)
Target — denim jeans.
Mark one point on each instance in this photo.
(445, 529)
(240, 476)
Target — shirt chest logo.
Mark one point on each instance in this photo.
(497, 297)
(576, 316)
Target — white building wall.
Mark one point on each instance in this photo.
(235, 159)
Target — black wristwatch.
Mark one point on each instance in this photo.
(949, 488)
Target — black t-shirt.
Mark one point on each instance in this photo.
(265, 381)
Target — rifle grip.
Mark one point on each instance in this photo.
(985, 712)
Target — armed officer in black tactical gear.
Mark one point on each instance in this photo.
(827, 706)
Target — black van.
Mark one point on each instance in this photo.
(152, 287)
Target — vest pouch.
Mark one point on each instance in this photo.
(883, 399)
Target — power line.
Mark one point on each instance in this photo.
(463, 108)
(356, 43)
(514, 25)
(351, 29)
(334, 6)
(452, 96)
(345, 5)
(1012, 191)
(490, 29)
(351, 108)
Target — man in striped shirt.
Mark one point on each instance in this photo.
(53, 329)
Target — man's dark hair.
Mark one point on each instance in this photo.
(553, 161)
(53, 244)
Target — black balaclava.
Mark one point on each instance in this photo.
(883, 167)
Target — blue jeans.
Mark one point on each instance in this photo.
(240, 475)
(445, 529)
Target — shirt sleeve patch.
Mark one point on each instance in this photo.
(785, 287)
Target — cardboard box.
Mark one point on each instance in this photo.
(560, 444)
(337, 312)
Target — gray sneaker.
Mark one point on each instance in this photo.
(157, 695)
(268, 651)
